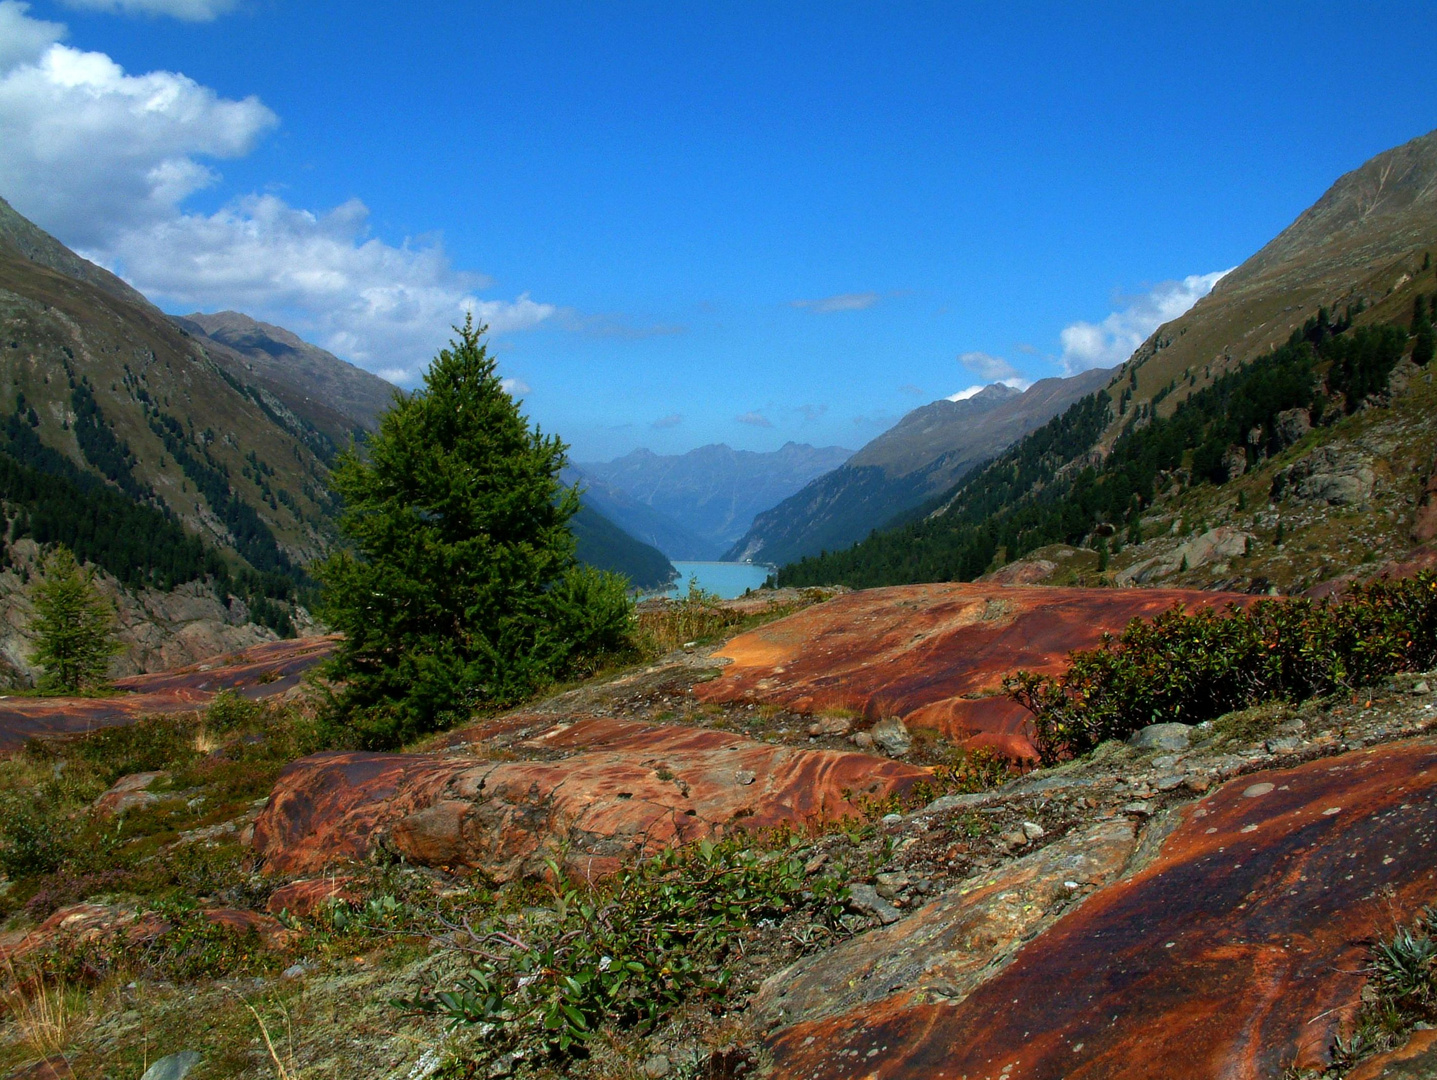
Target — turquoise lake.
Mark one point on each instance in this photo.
(727, 579)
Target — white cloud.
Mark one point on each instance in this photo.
(91, 151)
(1017, 382)
(986, 366)
(1110, 342)
(23, 39)
(842, 302)
(754, 419)
(106, 160)
(188, 10)
(515, 386)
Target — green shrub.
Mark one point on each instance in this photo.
(1199, 666)
(629, 952)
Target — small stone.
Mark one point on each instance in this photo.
(862, 740)
(1162, 737)
(1197, 783)
(815, 864)
(891, 736)
(294, 971)
(745, 777)
(1033, 831)
(172, 1066)
(864, 899)
(1256, 791)
(1014, 840)
(657, 1066)
(830, 725)
(1283, 745)
(889, 886)
(892, 819)
(1169, 783)
(1138, 809)
(1166, 761)
(1421, 687)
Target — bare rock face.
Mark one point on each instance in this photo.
(1293, 425)
(934, 656)
(1238, 950)
(1334, 475)
(1022, 572)
(604, 789)
(1214, 545)
(158, 630)
(1234, 462)
(950, 945)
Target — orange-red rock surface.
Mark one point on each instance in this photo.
(598, 790)
(1236, 952)
(933, 655)
(273, 668)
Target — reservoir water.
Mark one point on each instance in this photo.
(727, 579)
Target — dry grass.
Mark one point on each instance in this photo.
(47, 1013)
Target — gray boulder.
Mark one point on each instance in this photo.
(1162, 737)
(891, 736)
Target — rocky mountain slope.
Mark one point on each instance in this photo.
(711, 493)
(337, 397)
(918, 459)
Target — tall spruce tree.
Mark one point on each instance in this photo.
(74, 626)
(459, 587)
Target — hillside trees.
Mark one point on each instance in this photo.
(460, 586)
(73, 625)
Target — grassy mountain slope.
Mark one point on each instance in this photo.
(915, 461)
(1171, 441)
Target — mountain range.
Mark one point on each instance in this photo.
(696, 505)
(913, 462)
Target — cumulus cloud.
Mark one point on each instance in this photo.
(842, 302)
(1017, 382)
(1110, 342)
(754, 419)
(106, 160)
(92, 151)
(373, 303)
(515, 386)
(988, 367)
(671, 421)
(188, 10)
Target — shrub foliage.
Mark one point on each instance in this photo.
(1198, 666)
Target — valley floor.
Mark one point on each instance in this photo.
(1201, 903)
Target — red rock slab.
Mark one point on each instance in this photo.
(1236, 953)
(1415, 1061)
(604, 789)
(83, 922)
(933, 655)
(261, 671)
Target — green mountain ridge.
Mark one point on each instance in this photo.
(1183, 439)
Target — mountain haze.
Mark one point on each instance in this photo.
(708, 497)
(914, 461)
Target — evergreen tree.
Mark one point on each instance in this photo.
(74, 626)
(460, 587)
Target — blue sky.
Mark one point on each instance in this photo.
(698, 223)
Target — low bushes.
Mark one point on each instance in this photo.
(632, 950)
(1195, 667)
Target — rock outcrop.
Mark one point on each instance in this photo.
(1333, 475)
(933, 655)
(1238, 950)
(268, 670)
(595, 790)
